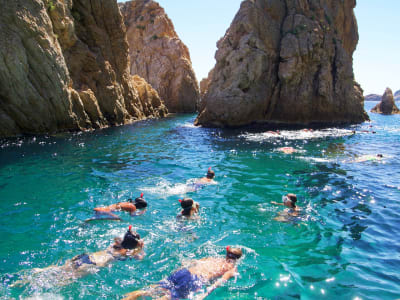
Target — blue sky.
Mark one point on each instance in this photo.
(200, 24)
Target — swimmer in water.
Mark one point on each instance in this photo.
(190, 208)
(209, 177)
(289, 200)
(287, 150)
(128, 206)
(365, 158)
(83, 264)
(213, 271)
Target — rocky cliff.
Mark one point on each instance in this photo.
(286, 61)
(64, 65)
(387, 105)
(158, 55)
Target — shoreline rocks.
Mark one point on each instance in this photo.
(64, 66)
(387, 106)
(159, 56)
(286, 62)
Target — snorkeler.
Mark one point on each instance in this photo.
(209, 177)
(287, 150)
(189, 208)
(289, 200)
(193, 277)
(130, 246)
(128, 206)
(365, 158)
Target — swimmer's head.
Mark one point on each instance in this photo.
(379, 155)
(233, 253)
(131, 240)
(210, 173)
(187, 205)
(140, 202)
(290, 200)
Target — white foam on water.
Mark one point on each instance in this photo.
(164, 188)
(297, 134)
(189, 125)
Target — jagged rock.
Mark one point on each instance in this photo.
(64, 65)
(286, 62)
(205, 83)
(387, 106)
(159, 56)
(373, 97)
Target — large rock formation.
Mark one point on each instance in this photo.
(159, 56)
(64, 65)
(387, 105)
(286, 61)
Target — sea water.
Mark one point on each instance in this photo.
(345, 243)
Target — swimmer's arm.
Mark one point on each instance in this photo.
(227, 275)
(276, 203)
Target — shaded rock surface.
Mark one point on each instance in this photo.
(286, 62)
(158, 55)
(387, 106)
(205, 83)
(373, 97)
(64, 65)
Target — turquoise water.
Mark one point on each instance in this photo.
(345, 244)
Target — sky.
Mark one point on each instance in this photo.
(200, 24)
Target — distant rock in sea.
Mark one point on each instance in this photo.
(373, 97)
(286, 62)
(159, 56)
(64, 67)
(387, 106)
(397, 96)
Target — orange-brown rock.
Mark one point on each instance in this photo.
(286, 61)
(159, 56)
(205, 83)
(64, 65)
(387, 106)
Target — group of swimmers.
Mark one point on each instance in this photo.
(187, 280)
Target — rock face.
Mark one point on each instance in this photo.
(158, 55)
(373, 97)
(286, 61)
(205, 83)
(387, 105)
(64, 65)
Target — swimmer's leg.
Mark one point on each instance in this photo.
(104, 215)
(154, 290)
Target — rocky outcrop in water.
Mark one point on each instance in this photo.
(205, 83)
(64, 65)
(373, 97)
(158, 55)
(397, 96)
(387, 106)
(286, 62)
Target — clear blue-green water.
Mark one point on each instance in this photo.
(346, 243)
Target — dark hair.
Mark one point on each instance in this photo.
(210, 174)
(140, 203)
(130, 240)
(380, 155)
(234, 253)
(187, 204)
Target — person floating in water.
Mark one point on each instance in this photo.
(128, 206)
(190, 208)
(365, 158)
(287, 150)
(209, 178)
(289, 200)
(193, 277)
(130, 246)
